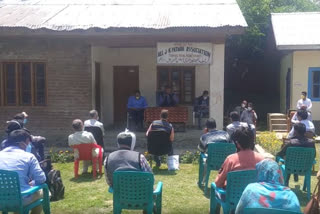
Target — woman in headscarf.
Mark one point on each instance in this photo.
(268, 191)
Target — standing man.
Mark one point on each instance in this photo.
(304, 101)
(201, 107)
(136, 106)
(249, 115)
(241, 108)
(168, 98)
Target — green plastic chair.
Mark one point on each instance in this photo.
(216, 155)
(134, 191)
(267, 211)
(11, 195)
(237, 181)
(298, 161)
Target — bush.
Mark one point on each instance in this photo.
(269, 141)
(61, 156)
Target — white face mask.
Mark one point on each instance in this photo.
(243, 105)
(249, 108)
(205, 97)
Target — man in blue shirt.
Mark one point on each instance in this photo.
(136, 106)
(167, 98)
(15, 158)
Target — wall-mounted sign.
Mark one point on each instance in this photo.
(184, 53)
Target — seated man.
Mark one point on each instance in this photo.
(168, 98)
(294, 118)
(136, 106)
(298, 140)
(162, 125)
(303, 118)
(235, 124)
(93, 122)
(82, 137)
(211, 135)
(201, 107)
(244, 159)
(125, 159)
(14, 158)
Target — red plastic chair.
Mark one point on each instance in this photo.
(85, 153)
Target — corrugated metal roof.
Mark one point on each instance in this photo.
(68, 15)
(294, 31)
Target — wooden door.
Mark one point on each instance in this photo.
(125, 83)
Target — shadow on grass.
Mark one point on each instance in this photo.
(302, 195)
(85, 178)
(159, 171)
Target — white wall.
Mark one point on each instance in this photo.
(286, 62)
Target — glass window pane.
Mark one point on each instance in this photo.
(175, 77)
(40, 83)
(188, 86)
(163, 80)
(316, 91)
(316, 77)
(10, 83)
(25, 83)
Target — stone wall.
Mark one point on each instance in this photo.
(68, 84)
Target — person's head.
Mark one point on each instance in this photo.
(94, 114)
(302, 114)
(21, 117)
(211, 124)
(304, 95)
(137, 94)
(244, 104)
(126, 140)
(13, 125)
(77, 125)
(303, 107)
(243, 137)
(269, 172)
(205, 94)
(299, 129)
(20, 138)
(164, 114)
(234, 116)
(168, 90)
(250, 106)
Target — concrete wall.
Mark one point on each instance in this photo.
(68, 84)
(145, 58)
(286, 63)
(302, 61)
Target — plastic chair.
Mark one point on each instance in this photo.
(11, 195)
(267, 211)
(298, 161)
(134, 191)
(213, 160)
(97, 134)
(237, 181)
(85, 153)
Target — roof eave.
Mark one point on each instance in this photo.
(299, 47)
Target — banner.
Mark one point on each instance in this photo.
(184, 53)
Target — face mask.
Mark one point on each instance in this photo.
(205, 97)
(249, 108)
(243, 105)
(25, 120)
(137, 98)
(303, 97)
(29, 148)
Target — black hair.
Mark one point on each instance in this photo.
(304, 93)
(17, 136)
(137, 91)
(300, 128)
(93, 113)
(244, 136)
(13, 125)
(303, 114)
(124, 139)
(205, 92)
(164, 114)
(234, 116)
(19, 116)
(211, 123)
(250, 104)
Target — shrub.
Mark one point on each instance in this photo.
(61, 156)
(269, 141)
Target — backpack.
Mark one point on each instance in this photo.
(55, 185)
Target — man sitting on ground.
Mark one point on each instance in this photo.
(212, 135)
(125, 159)
(244, 159)
(303, 118)
(82, 137)
(235, 124)
(162, 125)
(14, 158)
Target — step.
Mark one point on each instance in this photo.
(279, 130)
(278, 121)
(277, 116)
(279, 126)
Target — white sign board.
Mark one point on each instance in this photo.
(184, 53)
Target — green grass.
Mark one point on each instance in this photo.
(180, 191)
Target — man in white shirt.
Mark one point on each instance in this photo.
(81, 137)
(303, 118)
(294, 118)
(94, 121)
(304, 101)
(232, 127)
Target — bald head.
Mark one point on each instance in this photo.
(77, 125)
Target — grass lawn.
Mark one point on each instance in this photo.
(180, 192)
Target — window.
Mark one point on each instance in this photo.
(24, 83)
(180, 79)
(314, 84)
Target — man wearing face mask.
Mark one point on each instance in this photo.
(14, 158)
(241, 108)
(304, 101)
(201, 107)
(136, 106)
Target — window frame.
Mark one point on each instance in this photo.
(310, 83)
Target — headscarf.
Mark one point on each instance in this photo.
(126, 138)
(268, 191)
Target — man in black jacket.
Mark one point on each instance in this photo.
(201, 107)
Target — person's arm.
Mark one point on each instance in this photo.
(149, 129)
(294, 119)
(161, 99)
(290, 135)
(35, 172)
(106, 171)
(130, 102)
(242, 116)
(92, 140)
(222, 176)
(102, 128)
(144, 164)
(145, 104)
(172, 135)
(298, 104)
